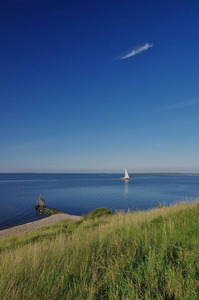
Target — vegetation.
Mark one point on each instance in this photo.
(97, 213)
(48, 211)
(140, 255)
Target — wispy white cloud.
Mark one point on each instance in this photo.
(180, 105)
(136, 51)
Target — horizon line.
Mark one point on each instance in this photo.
(99, 172)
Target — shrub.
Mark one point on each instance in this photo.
(97, 213)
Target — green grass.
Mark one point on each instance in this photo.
(97, 213)
(140, 255)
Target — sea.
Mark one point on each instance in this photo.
(79, 194)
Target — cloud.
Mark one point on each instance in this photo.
(137, 50)
(180, 105)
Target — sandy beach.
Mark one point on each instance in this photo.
(39, 223)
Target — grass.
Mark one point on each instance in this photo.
(140, 255)
(97, 213)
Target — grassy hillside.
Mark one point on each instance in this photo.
(141, 255)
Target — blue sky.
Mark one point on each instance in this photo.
(96, 86)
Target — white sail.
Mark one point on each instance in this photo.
(126, 174)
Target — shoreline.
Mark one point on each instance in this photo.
(38, 223)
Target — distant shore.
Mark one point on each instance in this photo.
(39, 223)
(82, 173)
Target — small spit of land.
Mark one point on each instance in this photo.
(39, 223)
(135, 255)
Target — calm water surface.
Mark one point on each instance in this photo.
(80, 193)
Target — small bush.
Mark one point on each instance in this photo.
(97, 213)
(160, 206)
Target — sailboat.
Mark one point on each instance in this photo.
(126, 176)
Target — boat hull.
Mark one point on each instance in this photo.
(124, 178)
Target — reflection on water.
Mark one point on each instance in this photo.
(39, 213)
(126, 188)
